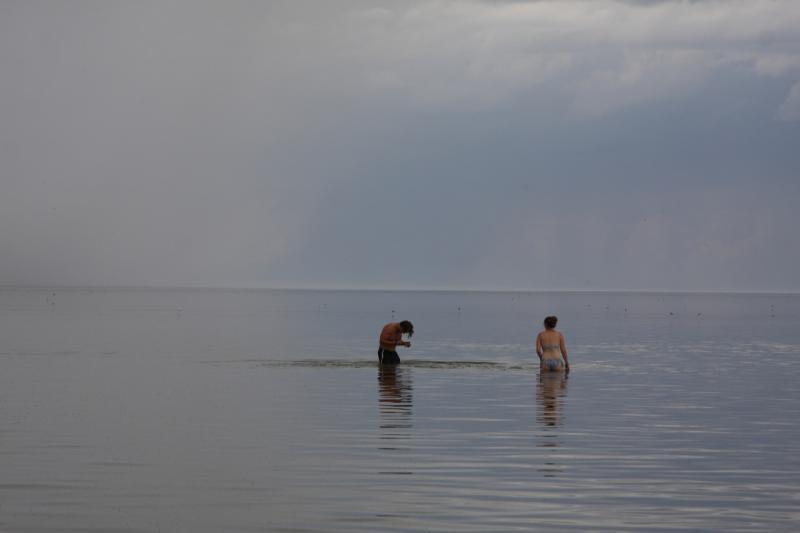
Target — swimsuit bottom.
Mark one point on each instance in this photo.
(388, 357)
(552, 364)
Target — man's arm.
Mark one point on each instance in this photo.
(399, 337)
(393, 336)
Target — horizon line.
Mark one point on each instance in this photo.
(381, 289)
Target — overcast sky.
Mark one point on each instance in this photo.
(570, 144)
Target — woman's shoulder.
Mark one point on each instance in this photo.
(551, 334)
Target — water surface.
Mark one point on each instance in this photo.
(134, 410)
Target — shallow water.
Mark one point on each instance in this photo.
(265, 411)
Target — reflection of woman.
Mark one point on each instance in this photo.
(552, 388)
(551, 347)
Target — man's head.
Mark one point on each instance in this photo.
(407, 327)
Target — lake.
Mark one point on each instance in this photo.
(265, 410)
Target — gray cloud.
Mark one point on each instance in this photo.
(790, 109)
(416, 144)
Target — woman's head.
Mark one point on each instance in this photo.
(407, 327)
(550, 322)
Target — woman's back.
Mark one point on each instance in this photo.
(551, 348)
(550, 342)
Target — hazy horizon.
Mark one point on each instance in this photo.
(318, 288)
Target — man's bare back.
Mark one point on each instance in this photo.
(391, 337)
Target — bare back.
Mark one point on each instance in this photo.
(391, 336)
(550, 345)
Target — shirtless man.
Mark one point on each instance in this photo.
(391, 337)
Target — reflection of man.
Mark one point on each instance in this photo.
(391, 337)
(395, 402)
(394, 388)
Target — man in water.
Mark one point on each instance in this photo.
(392, 336)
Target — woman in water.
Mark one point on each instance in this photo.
(551, 347)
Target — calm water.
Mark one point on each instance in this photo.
(229, 411)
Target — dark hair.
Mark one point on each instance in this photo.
(550, 322)
(407, 327)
